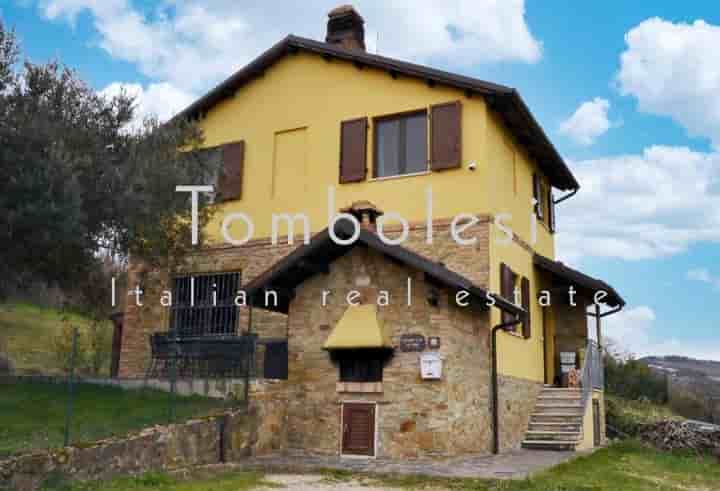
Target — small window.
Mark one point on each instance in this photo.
(364, 365)
(401, 144)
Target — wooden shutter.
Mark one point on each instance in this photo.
(507, 288)
(231, 178)
(551, 211)
(537, 194)
(358, 429)
(445, 136)
(525, 294)
(353, 150)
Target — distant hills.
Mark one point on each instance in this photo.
(682, 366)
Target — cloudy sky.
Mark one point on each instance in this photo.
(629, 93)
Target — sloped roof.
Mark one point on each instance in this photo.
(505, 100)
(314, 258)
(572, 276)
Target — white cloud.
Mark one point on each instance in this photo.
(160, 100)
(642, 206)
(704, 276)
(671, 69)
(193, 44)
(588, 122)
(632, 332)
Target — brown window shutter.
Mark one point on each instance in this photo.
(551, 211)
(445, 136)
(507, 288)
(537, 194)
(525, 294)
(353, 150)
(231, 178)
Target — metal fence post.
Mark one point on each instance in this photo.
(174, 354)
(71, 391)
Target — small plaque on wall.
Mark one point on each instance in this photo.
(433, 342)
(412, 342)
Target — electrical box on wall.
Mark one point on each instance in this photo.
(431, 365)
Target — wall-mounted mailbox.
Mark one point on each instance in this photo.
(431, 365)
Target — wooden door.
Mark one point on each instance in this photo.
(358, 432)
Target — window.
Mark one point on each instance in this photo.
(204, 305)
(401, 144)
(364, 365)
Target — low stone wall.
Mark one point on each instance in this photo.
(228, 437)
(218, 388)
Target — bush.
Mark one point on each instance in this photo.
(633, 379)
(94, 347)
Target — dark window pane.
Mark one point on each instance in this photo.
(361, 365)
(401, 145)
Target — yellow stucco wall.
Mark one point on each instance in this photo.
(290, 117)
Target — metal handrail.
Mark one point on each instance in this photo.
(592, 371)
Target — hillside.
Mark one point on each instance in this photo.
(684, 366)
(29, 332)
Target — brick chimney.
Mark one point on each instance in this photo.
(345, 28)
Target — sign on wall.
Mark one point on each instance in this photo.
(412, 342)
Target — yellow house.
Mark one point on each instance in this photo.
(449, 183)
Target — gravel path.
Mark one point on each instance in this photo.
(311, 482)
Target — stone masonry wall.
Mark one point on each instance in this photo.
(416, 418)
(516, 402)
(256, 257)
(230, 437)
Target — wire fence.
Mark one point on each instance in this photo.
(193, 378)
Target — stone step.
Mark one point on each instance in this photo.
(562, 401)
(556, 417)
(554, 426)
(534, 435)
(558, 408)
(549, 445)
(561, 391)
(560, 395)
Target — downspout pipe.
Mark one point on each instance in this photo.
(494, 380)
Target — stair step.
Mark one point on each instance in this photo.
(554, 396)
(549, 444)
(564, 407)
(551, 426)
(542, 418)
(563, 436)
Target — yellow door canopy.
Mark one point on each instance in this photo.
(359, 327)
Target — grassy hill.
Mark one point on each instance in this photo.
(29, 330)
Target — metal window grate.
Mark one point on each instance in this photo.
(204, 305)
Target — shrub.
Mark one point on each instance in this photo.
(633, 379)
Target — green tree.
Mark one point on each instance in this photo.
(77, 185)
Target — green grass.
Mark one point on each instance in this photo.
(628, 415)
(28, 331)
(161, 482)
(32, 414)
(629, 466)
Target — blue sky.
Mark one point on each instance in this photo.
(628, 91)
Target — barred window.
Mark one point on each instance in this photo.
(204, 305)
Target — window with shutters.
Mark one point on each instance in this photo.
(401, 144)
(204, 305)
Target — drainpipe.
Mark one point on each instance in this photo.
(494, 382)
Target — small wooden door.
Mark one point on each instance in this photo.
(358, 430)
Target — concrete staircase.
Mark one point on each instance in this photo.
(557, 421)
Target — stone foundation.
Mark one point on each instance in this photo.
(516, 402)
